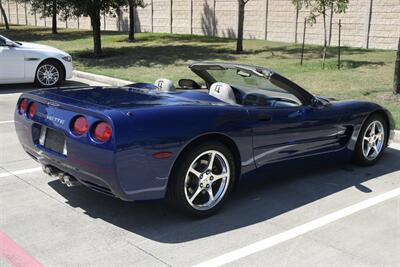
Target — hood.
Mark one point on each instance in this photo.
(34, 46)
(124, 98)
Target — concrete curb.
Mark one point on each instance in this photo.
(100, 78)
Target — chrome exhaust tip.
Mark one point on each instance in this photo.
(70, 181)
(50, 170)
(61, 178)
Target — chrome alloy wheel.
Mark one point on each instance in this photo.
(207, 180)
(48, 75)
(373, 141)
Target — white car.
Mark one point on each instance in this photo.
(27, 63)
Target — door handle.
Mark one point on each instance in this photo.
(264, 117)
(298, 113)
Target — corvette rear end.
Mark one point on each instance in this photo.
(77, 142)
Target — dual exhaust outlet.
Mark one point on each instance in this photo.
(64, 178)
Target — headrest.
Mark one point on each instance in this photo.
(165, 85)
(223, 92)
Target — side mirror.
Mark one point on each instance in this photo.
(316, 103)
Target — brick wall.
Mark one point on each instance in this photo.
(372, 23)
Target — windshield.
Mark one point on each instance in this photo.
(4, 39)
(253, 86)
(244, 80)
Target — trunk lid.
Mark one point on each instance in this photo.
(122, 98)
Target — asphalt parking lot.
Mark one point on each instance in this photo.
(331, 214)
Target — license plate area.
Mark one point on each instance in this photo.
(53, 140)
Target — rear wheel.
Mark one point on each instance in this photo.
(203, 179)
(49, 74)
(371, 142)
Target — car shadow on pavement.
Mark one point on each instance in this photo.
(26, 87)
(257, 199)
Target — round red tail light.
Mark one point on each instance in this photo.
(80, 125)
(32, 110)
(102, 132)
(22, 106)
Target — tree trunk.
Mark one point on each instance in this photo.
(239, 42)
(3, 13)
(131, 37)
(330, 26)
(325, 39)
(54, 23)
(95, 21)
(396, 86)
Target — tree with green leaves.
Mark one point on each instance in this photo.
(396, 85)
(239, 41)
(94, 9)
(132, 5)
(48, 8)
(3, 14)
(321, 8)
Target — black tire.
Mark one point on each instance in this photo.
(177, 187)
(55, 64)
(359, 157)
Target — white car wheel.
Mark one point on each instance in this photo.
(48, 74)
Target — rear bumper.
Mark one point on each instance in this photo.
(129, 175)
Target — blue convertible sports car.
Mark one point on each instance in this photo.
(191, 144)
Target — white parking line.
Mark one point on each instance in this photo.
(4, 122)
(20, 172)
(297, 231)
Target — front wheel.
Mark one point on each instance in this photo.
(203, 179)
(49, 74)
(372, 141)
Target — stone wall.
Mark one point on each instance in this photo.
(367, 23)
